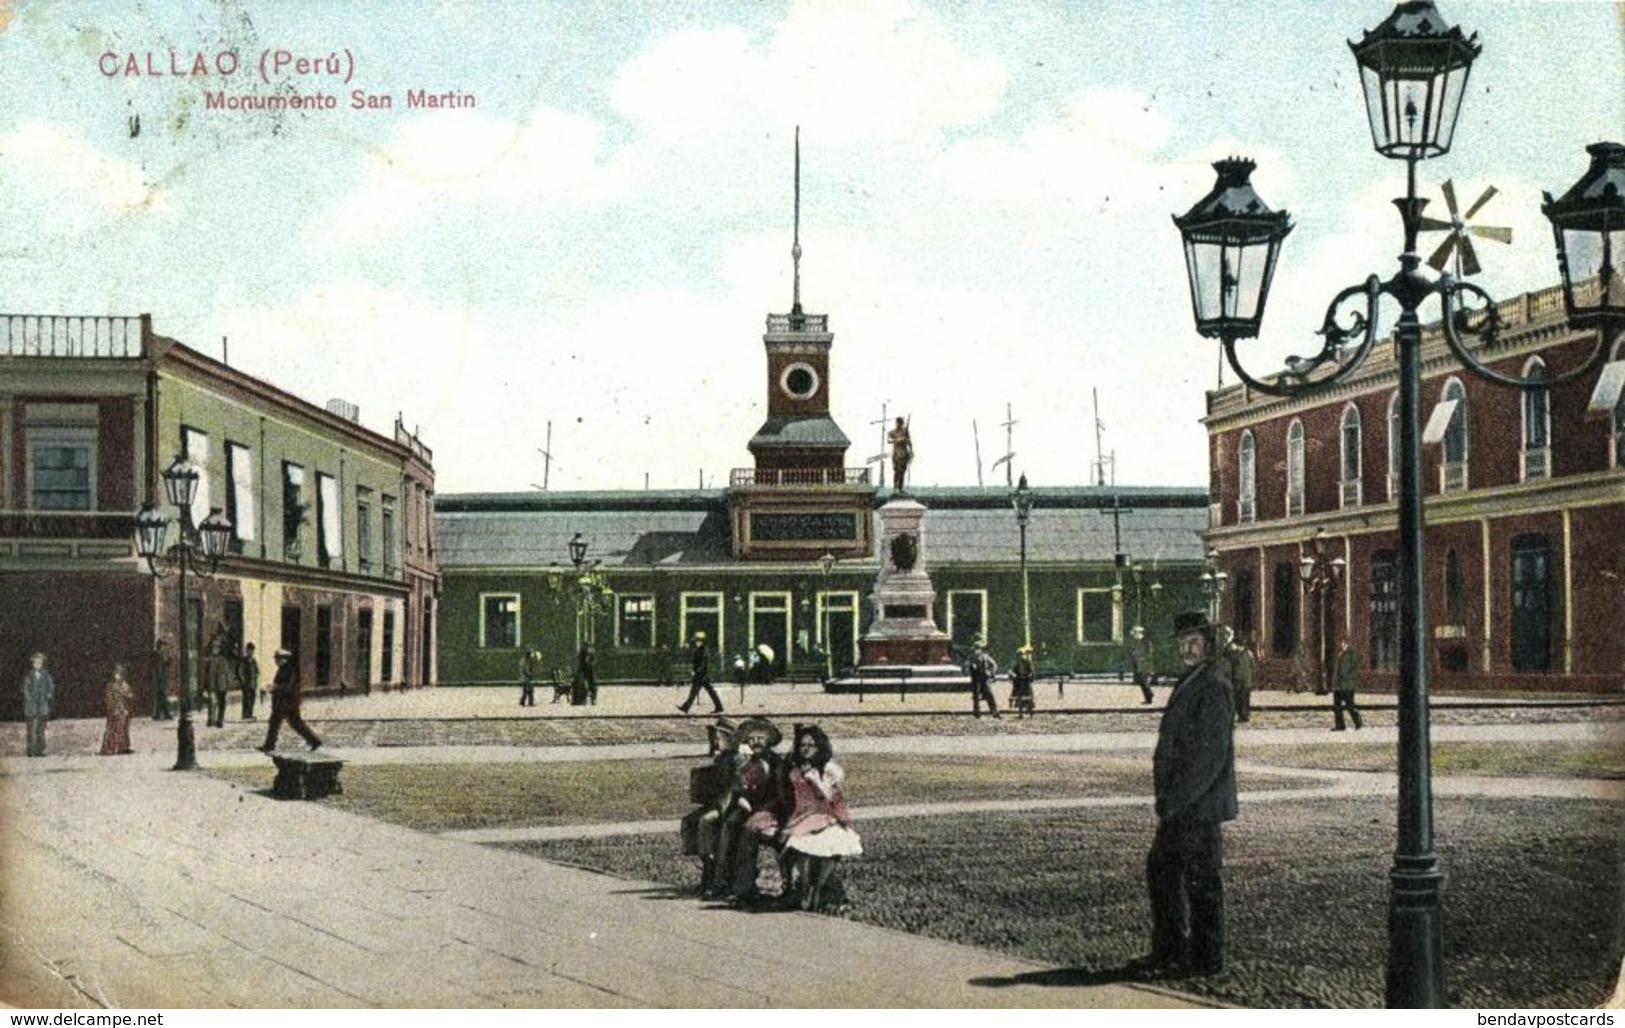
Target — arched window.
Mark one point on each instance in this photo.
(1453, 455)
(1350, 477)
(1537, 423)
(1393, 446)
(1247, 495)
(1294, 468)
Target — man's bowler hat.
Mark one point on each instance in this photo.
(1190, 621)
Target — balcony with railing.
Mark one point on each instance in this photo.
(798, 477)
(71, 335)
(794, 322)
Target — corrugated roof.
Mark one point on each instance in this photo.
(691, 529)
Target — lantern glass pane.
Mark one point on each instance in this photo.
(150, 530)
(216, 532)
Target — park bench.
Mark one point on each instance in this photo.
(305, 776)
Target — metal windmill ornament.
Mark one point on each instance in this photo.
(1459, 242)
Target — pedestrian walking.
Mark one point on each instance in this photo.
(1194, 779)
(1345, 682)
(1143, 658)
(1021, 682)
(39, 692)
(700, 661)
(587, 672)
(248, 677)
(116, 733)
(160, 682)
(1243, 668)
(285, 700)
(982, 668)
(530, 669)
(222, 675)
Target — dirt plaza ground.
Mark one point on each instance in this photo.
(1024, 844)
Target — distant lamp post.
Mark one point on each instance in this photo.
(197, 551)
(1022, 501)
(826, 566)
(1213, 582)
(1138, 574)
(1413, 71)
(593, 592)
(1321, 576)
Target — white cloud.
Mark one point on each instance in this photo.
(465, 158)
(51, 174)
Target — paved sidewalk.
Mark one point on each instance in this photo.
(130, 886)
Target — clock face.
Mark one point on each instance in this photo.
(799, 381)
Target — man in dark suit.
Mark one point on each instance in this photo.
(700, 661)
(285, 699)
(1194, 773)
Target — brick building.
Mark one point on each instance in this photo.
(331, 552)
(1524, 501)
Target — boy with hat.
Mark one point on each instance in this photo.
(1021, 682)
(1194, 776)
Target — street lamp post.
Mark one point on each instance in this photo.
(591, 592)
(1213, 581)
(1413, 71)
(1022, 501)
(1321, 576)
(210, 539)
(826, 565)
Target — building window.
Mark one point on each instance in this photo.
(363, 526)
(967, 617)
(1247, 486)
(324, 645)
(196, 445)
(1384, 611)
(1447, 425)
(499, 621)
(1393, 447)
(635, 621)
(1349, 491)
(329, 522)
(1537, 423)
(702, 612)
(363, 648)
(386, 653)
(240, 491)
(1284, 623)
(293, 509)
(391, 552)
(1243, 604)
(1294, 468)
(1100, 616)
(1455, 591)
(1532, 605)
(62, 468)
(1608, 402)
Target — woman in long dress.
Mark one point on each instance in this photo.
(817, 832)
(116, 736)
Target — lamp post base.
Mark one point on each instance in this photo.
(185, 744)
(1415, 942)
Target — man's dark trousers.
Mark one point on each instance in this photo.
(1187, 860)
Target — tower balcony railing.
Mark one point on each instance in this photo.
(774, 477)
(798, 322)
(70, 335)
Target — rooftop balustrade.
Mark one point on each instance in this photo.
(70, 335)
(800, 477)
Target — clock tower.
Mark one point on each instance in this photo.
(800, 500)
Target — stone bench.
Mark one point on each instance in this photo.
(306, 776)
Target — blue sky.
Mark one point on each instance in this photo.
(986, 200)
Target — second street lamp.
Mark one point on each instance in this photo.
(1413, 69)
(1022, 501)
(197, 551)
(826, 565)
(1321, 575)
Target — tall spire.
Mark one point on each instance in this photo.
(795, 249)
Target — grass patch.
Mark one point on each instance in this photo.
(1599, 759)
(450, 797)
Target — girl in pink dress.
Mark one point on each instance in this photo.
(817, 831)
(116, 736)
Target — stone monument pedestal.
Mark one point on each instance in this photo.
(903, 632)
